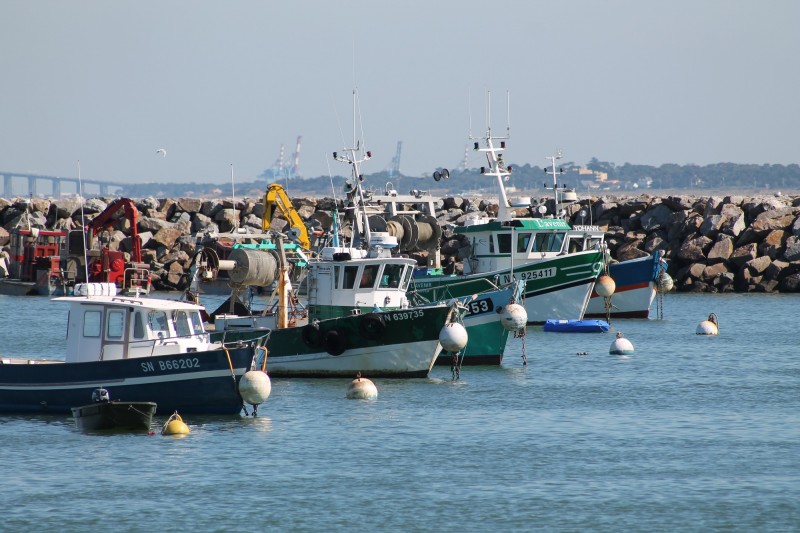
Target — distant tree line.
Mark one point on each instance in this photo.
(524, 177)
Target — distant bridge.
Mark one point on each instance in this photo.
(55, 185)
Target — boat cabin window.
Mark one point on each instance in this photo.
(368, 277)
(504, 243)
(91, 323)
(138, 326)
(115, 325)
(548, 242)
(157, 321)
(350, 273)
(182, 326)
(523, 239)
(491, 245)
(337, 272)
(575, 244)
(392, 275)
(594, 243)
(406, 279)
(196, 322)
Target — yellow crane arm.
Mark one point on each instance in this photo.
(276, 197)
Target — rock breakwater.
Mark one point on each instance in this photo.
(712, 243)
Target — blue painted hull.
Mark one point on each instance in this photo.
(195, 382)
(635, 282)
(576, 326)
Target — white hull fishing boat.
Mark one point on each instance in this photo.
(559, 265)
(356, 318)
(636, 283)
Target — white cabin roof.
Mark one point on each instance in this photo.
(126, 301)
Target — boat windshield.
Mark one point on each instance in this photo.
(157, 321)
(406, 279)
(548, 242)
(392, 275)
(349, 276)
(187, 323)
(368, 276)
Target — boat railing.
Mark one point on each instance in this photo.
(174, 344)
(150, 347)
(258, 341)
(445, 292)
(137, 279)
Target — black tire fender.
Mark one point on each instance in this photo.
(336, 341)
(312, 336)
(371, 326)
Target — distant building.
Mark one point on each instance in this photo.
(585, 178)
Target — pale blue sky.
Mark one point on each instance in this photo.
(214, 83)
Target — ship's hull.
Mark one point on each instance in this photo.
(194, 382)
(556, 288)
(390, 344)
(635, 290)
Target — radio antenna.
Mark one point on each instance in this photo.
(469, 111)
(83, 228)
(508, 113)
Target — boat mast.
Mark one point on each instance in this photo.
(351, 157)
(497, 166)
(554, 173)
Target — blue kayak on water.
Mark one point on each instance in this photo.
(576, 326)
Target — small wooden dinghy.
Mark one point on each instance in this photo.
(104, 413)
(576, 326)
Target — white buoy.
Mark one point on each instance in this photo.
(605, 286)
(665, 282)
(513, 317)
(255, 387)
(362, 389)
(453, 337)
(621, 346)
(708, 327)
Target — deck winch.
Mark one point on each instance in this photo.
(252, 267)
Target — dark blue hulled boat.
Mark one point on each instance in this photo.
(576, 326)
(144, 349)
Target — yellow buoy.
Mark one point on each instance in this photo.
(175, 426)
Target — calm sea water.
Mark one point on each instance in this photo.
(690, 433)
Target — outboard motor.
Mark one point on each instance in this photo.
(100, 395)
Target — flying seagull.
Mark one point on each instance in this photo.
(162, 151)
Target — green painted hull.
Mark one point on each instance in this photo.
(486, 345)
(485, 330)
(557, 288)
(401, 344)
